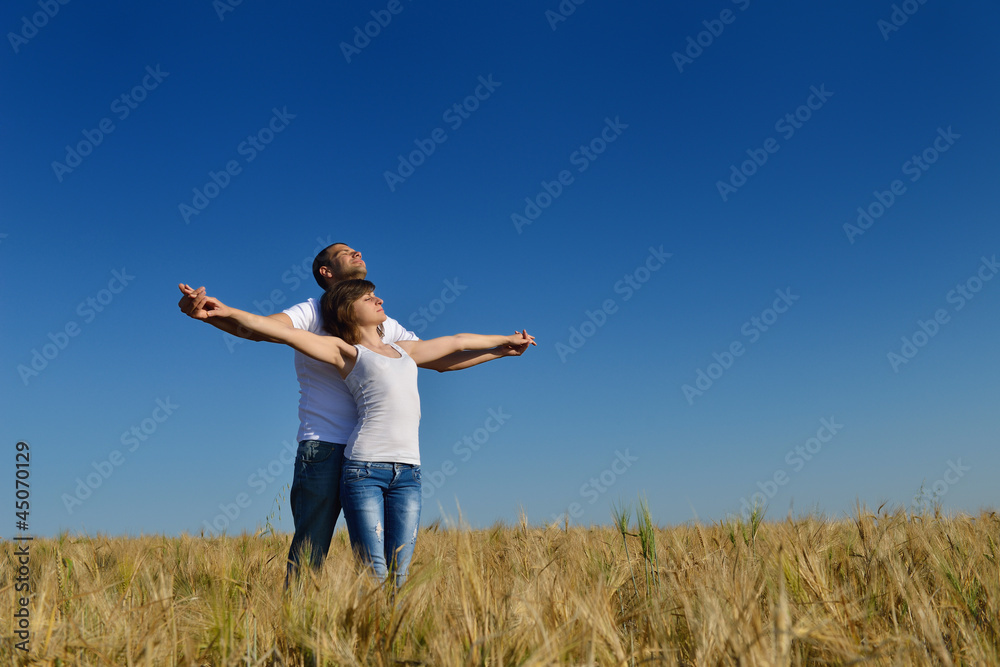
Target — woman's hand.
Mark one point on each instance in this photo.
(518, 343)
(188, 301)
(195, 303)
(212, 306)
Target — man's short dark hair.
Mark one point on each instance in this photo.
(321, 260)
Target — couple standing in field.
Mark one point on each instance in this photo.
(359, 410)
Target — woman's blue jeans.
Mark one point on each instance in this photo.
(382, 509)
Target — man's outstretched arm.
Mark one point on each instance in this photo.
(457, 361)
(193, 302)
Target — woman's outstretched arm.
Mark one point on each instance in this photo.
(424, 351)
(331, 349)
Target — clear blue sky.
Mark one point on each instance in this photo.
(150, 144)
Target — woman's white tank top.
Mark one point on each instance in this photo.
(385, 392)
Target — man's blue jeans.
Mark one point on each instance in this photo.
(382, 510)
(315, 501)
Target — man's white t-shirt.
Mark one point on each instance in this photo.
(326, 406)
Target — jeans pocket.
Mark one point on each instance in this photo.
(416, 474)
(314, 451)
(353, 472)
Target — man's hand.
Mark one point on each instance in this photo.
(519, 342)
(199, 306)
(193, 301)
(212, 307)
(457, 361)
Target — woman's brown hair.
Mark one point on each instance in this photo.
(337, 309)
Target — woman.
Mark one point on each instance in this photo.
(380, 482)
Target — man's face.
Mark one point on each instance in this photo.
(345, 263)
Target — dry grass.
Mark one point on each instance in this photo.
(885, 589)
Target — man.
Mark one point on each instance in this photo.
(327, 413)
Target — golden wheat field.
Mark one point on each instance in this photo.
(886, 588)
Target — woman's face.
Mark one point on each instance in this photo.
(368, 309)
